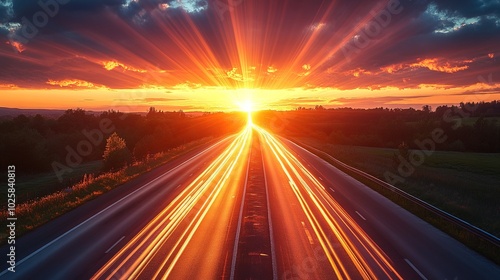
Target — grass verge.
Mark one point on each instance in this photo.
(35, 213)
(32, 186)
(471, 240)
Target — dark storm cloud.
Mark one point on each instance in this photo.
(469, 8)
(112, 30)
(418, 36)
(27, 8)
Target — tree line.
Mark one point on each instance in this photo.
(34, 143)
(468, 127)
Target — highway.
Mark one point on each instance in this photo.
(193, 218)
(77, 244)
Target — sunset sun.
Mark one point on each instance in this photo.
(239, 139)
(246, 106)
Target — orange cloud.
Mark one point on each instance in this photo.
(271, 69)
(110, 65)
(433, 64)
(16, 45)
(233, 74)
(306, 72)
(8, 86)
(163, 6)
(358, 72)
(317, 26)
(75, 83)
(392, 68)
(187, 86)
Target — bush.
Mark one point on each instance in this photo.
(116, 154)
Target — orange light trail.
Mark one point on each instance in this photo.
(176, 224)
(192, 205)
(313, 198)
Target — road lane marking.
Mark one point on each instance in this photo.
(240, 219)
(359, 214)
(112, 246)
(178, 186)
(332, 190)
(416, 269)
(311, 241)
(271, 231)
(320, 178)
(117, 202)
(225, 264)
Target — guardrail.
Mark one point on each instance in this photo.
(480, 234)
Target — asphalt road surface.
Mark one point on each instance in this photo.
(190, 218)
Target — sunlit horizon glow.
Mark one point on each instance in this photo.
(277, 55)
(246, 106)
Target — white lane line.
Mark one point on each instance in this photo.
(416, 269)
(115, 203)
(320, 178)
(116, 243)
(332, 190)
(178, 186)
(240, 219)
(311, 241)
(359, 214)
(271, 231)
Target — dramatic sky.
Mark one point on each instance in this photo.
(215, 54)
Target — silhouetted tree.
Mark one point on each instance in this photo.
(116, 153)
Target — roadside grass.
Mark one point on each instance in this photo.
(466, 185)
(32, 186)
(36, 212)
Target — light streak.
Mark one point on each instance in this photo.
(177, 224)
(369, 260)
(192, 204)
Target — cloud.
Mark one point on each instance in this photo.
(235, 75)
(6, 10)
(372, 102)
(187, 86)
(299, 102)
(110, 65)
(433, 64)
(75, 83)
(271, 69)
(159, 99)
(190, 6)
(8, 86)
(187, 37)
(18, 46)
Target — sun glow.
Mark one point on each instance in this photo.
(246, 106)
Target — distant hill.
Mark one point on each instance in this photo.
(10, 113)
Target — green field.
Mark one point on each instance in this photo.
(466, 185)
(36, 212)
(29, 187)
